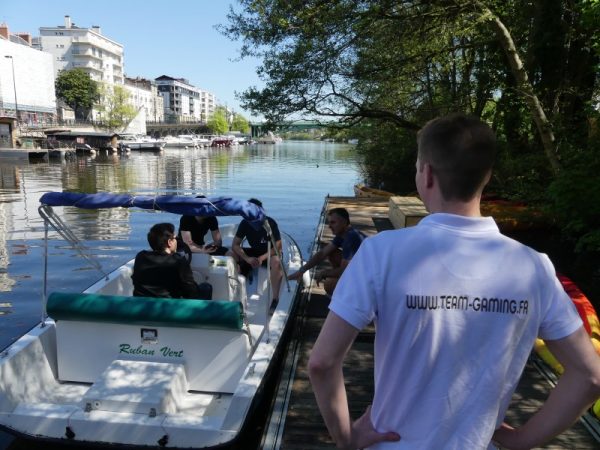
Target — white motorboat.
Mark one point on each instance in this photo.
(181, 141)
(104, 368)
(269, 138)
(142, 143)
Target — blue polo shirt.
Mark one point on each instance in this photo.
(349, 243)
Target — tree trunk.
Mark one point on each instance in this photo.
(524, 87)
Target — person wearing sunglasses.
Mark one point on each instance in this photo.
(161, 271)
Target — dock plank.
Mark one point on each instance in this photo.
(304, 428)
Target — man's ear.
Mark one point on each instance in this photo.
(487, 178)
(428, 175)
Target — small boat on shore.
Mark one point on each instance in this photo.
(361, 190)
(591, 323)
(104, 368)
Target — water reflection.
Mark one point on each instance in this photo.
(291, 179)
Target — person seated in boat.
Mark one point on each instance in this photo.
(339, 251)
(257, 254)
(457, 308)
(192, 230)
(162, 272)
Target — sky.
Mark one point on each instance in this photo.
(175, 38)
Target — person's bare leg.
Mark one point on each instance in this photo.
(276, 277)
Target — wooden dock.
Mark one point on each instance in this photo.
(296, 423)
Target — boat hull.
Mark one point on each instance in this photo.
(42, 407)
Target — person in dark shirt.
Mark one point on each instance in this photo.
(257, 253)
(339, 251)
(192, 230)
(162, 272)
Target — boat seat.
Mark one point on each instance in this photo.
(206, 336)
(221, 272)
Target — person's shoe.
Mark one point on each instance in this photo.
(274, 304)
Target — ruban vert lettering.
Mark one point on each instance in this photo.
(167, 351)
(484, 304)
(140, 350)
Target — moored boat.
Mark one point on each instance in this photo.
(223, 141)
(140, 143)
(269, 138)
(181, 141)
(107, 369)
(591, 323)
(360, 190)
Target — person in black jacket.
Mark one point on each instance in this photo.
(162, 272)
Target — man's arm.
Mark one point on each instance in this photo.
(216, 236)
(326, 376)
(577, 389)
(236, 245)
(321, 255)
(334, 272)
(186, 236)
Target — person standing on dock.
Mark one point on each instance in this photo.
(339, 251)
(457, 308)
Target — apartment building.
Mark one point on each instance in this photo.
(86, 48)
(144, 95)
(183, 101)
(26, 80)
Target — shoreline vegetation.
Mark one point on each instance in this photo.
(378, 72)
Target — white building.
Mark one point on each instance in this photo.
(26, 79)
(183, 101)
(144, 95)
(86, 48)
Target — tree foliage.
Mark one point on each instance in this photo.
(78, 90)
(217, 123)
(115, 107)
(240, 123)
(386, 67)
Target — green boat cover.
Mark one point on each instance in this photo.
(170, 312)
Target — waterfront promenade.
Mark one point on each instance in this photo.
(300, 426)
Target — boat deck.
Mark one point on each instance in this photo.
(300, 426)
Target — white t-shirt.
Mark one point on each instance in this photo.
(457, 307)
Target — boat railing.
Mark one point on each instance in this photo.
(52, 220)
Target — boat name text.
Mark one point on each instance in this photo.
(140, 350)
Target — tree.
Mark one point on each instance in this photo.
(115, 106)
(78, 90)
(217, 123)
(240, 123)
(387, 66)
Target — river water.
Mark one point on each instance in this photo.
(291, 179)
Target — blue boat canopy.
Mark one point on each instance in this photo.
(176, 204)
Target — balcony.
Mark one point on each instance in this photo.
(85, 54)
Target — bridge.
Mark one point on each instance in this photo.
(259, 128)
(161, 129)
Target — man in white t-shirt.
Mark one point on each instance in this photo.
(457, 307)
